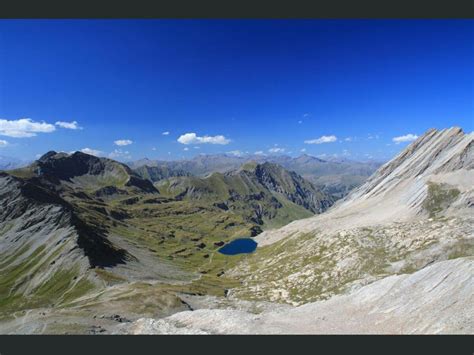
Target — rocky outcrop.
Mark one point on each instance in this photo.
(292, 186)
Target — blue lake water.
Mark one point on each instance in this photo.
(239, 246)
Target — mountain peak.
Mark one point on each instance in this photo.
(47, 155)
(436, 152)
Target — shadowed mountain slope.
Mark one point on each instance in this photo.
(264, 193)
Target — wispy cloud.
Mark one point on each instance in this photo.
(123, 142)
(3, 143)
(68, 125)
(119, 154)
(322, 139)
(276, 150)
(303, 150)
(348, 139)
(166, 133)
(90, 151)
(259, 152)
(236, 153)
(406, 138)
(186, 149)
(193, 138)
(24, 128)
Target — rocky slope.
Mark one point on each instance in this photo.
(414, 211)
(46, 249)
(400, 189)
(437, 299)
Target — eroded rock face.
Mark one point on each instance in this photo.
(433, 153)
(25, 207)
(47, 250)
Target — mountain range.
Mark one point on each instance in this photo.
(394, 256)
(75, 225)
(91, 245)
(8, 163)
(334, 176)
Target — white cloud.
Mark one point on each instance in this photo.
(120, 154)
(276, 150)
(236, 153)
(259, 152)
(154, 148)
(300, 122)
(186, 149)
(166, 133)
(348, 139)
(123, 142)
(24, 128)
(406, 138)
(321, 140)
(197, 147)
(68, 125)
(303, 150)
(373, 136)
(192, 138)
(90, 151)
(3, 143)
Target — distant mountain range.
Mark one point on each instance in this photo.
(8, 163)
(335, 176)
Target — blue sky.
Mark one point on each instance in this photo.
(323, 87)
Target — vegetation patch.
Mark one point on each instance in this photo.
(440, 197)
